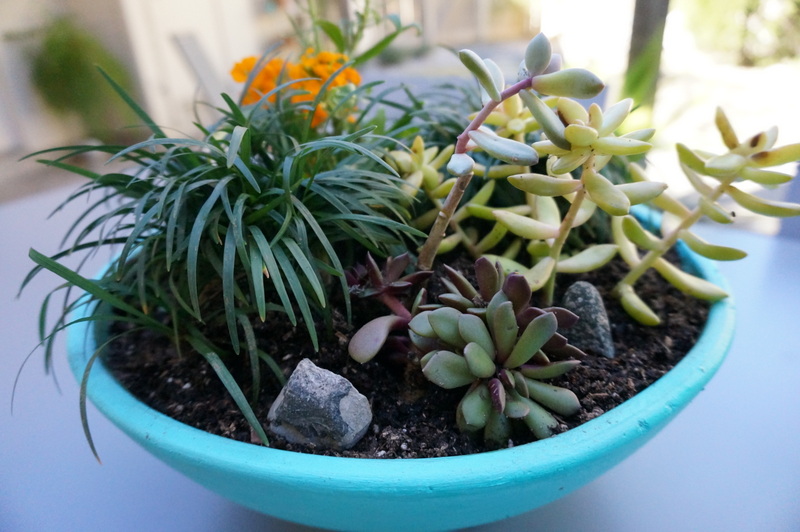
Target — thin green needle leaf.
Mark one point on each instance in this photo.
(172, 222)
(209, 353)
(236, 111)
(247, 173)
(133, 105)
(92, 287)
(273, 271)
(228, 284)
(70, 168)
(142, 224)
(152, 143)
(276, 369)
(381, 45)
(83, 387)
(194, 241)
(298, 292)
(252, 351)
(305, 265)
(239, 133)
(327, 246)
(257, 281)
(334, 33)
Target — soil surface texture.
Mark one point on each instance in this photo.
(412, 418)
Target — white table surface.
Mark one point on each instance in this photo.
(729, 462)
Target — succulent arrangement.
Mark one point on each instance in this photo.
(271, 210)
(478, 337)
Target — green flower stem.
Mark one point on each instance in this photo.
(563, 232)
(670, 240)
(428, 251)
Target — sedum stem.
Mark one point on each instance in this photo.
(428, 251)
(670, 240)
(437, 232)
(563, 233)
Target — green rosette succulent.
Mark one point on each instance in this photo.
(491, 339)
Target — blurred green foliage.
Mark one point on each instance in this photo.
(64, 73)
(751, 32)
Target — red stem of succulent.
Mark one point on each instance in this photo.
(428, 251)
(394, 304)
(480, 118)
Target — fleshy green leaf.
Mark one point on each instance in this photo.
(539, 421)
(537, 54)
(607, 196)
(559, 400)
(548, 120)
(474, 330)
(478, 67)
(588, 259)
(444, 321)
(507, 150)
(688, 283)
(503, 324)
(535, 335)
(570, 82)
(447, 370)
(711, 251)
(548, 371)
(480, 362)
(544, 185)
(778, 209)
(474, 409)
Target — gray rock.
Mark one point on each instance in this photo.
(321, 408)
(592, 333)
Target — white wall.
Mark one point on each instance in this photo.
(225, 32)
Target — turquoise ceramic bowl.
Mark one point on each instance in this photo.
(412, 494)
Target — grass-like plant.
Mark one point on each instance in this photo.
(254, 216)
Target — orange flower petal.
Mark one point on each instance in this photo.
(242, 69)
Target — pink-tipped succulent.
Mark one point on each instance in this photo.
(391, 287)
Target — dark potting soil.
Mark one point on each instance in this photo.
(412, 418)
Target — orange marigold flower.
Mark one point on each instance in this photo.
(243, 68)
(320, 115)
(324, 64)
(351, 75)
(313, 69)
(263, 82)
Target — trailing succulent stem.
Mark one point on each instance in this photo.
(579, 143)
(713, 177)
(573, 137)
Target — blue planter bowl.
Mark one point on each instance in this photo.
(413, 494)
